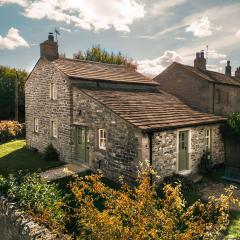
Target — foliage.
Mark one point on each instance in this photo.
(189, 189)
(7, 92)
(97, 54)
(205, 164)
(10, 130)
(137, 213)
(51, 154)
(231, 130)
(45, 202)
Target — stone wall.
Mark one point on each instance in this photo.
(165, 153)
(15, 225)
(39, 105)
(123, 151)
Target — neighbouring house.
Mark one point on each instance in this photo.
(205, 90)
(111, 117)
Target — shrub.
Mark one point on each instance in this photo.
(137, 213)
(45, 202)
(51, 154)
(187, 185)
(10, 130)
(231, 129)
(205, 165)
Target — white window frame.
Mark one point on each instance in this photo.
(102, 139)
(36, 125)
(53, 129)
(53, 91)
(208, 139)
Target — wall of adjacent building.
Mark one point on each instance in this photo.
(123, 149)
(39, 105)
(186, 86)
(165, 149)
(229, 99)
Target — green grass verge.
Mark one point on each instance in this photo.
(14, 156)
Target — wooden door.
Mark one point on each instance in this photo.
(183, 163)
(82, 145)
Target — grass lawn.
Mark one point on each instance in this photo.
(15, 157)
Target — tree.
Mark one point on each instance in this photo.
(138, 213)
(8, 78)
(97, 54)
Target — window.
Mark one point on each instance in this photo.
(217, 96)
(36, 125)
(53, 129)
(53, 91)
(102, 139)
(208, 139)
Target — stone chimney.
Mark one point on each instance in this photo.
(49, 48)
(228, 69)
(200, 61)
(237, 73)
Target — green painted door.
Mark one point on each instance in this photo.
(183, 151)
(82, 144)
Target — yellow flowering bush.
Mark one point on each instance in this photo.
(138, 213)
(9, 130)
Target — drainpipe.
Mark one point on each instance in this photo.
(213, 104)
(150, 137)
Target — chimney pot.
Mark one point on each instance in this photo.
(237, 73)
(200, 61)
(49, 48)
(51, 37)
(228, 69)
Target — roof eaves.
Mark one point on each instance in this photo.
(157, 129)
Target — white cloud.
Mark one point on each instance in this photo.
(155, 66)
(213, 54)
(90, 14)
(19, 2)
(162, 6)
(12, 40)
(180, 38)
(201, 27)
(223, 62)
(238, 33)
(65, 29)
(214, 68)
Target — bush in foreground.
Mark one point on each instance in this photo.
(10, 130)
(137, 213)
(43, 201)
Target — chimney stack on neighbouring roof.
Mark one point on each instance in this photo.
(237, 73)
(228, 69)
(49, 48)
(200, 61)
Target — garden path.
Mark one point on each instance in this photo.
(63, 171)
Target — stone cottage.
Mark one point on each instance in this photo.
(110, 117)
(205, 90)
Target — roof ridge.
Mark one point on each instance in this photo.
(92, 62)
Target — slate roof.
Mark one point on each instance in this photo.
(152, 110)
(100, 71)
(212, 76)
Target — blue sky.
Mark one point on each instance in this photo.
(153, 32)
